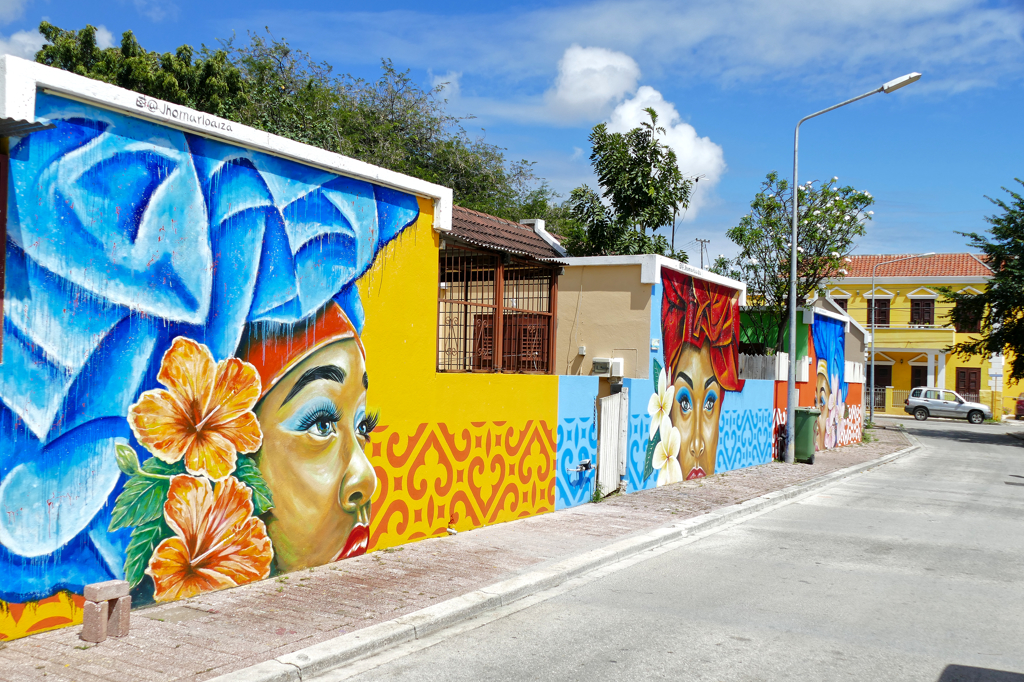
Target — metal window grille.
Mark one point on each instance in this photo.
(494, 316)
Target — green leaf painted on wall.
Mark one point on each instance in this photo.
(140, 548)
(248, 473)
(649, 456)
(143, 497)
(656, 374)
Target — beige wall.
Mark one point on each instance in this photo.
(608, 310)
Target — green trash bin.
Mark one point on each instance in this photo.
(806, 418)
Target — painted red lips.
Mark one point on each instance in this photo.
(358, 540)
(695, 472)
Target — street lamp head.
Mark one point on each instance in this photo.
(927, 255)
(897, 83)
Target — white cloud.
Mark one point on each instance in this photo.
(589, 80)
(156, 10)
(11, 10)
(449, 83)
(697, 156)
(831, 46)
(104, 38)
(22, 44)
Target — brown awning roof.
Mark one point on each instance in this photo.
(12, 127)
(490, 232)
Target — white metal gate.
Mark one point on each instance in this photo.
(613, 439)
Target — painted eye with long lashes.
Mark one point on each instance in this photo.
(709, 401)
(366, 423)
(684, 400)
(318, 418)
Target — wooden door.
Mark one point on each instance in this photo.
(918, 376)
(968, 382)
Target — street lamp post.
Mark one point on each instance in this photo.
(874, 315)
(791, 397)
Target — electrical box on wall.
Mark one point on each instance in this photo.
(607, 367)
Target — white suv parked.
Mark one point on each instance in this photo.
(938, 402)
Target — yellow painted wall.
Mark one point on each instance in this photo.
(608, 310)
(456, 450)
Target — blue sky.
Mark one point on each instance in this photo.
(730, 78)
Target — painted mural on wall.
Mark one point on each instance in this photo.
(184, 387)
(838, 423)
(700, 323)
(577, 440)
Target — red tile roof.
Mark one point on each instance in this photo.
(491, 232)
(939, 265)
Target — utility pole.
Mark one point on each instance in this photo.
(703, 247)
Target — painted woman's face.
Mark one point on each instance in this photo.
(315, 428)
(821, 395)
(696, 410)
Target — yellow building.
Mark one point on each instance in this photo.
(913, 330)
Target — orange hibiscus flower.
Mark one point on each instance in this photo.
(217, 544)
(205, 415)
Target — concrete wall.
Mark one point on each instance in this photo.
(608, 310)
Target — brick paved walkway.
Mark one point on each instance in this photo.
(197, 639)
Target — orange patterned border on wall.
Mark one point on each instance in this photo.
(57, 611)
(459, 477)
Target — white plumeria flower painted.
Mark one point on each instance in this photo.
(660, 404)
(666, 455)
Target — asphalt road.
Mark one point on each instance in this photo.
(912, 571)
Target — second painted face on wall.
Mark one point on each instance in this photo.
(315, 430)
(696, 410)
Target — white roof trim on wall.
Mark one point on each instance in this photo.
(922, 292)
(879, 292)
(838, 293)
(650, 269)
(917, 360)
(21, 79)
(809, 313)
(969, 290)
(880, 359)
(916, 280)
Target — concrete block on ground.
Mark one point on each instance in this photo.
(111, 589)
(120, 611)
(94, 621)
(335, 652)
(268, 671)
(526, 584)
(450, 612)
(586, 562)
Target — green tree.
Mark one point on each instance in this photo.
(999, 310)
(640, 179)
(206, 82)
(830, 220)
(267, 84)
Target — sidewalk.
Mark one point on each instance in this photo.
(201, 638)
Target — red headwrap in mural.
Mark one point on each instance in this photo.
(274, 354)
(696, 311)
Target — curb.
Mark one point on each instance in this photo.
(311, 661)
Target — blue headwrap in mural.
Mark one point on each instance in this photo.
(829, 336)
(123, 234)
